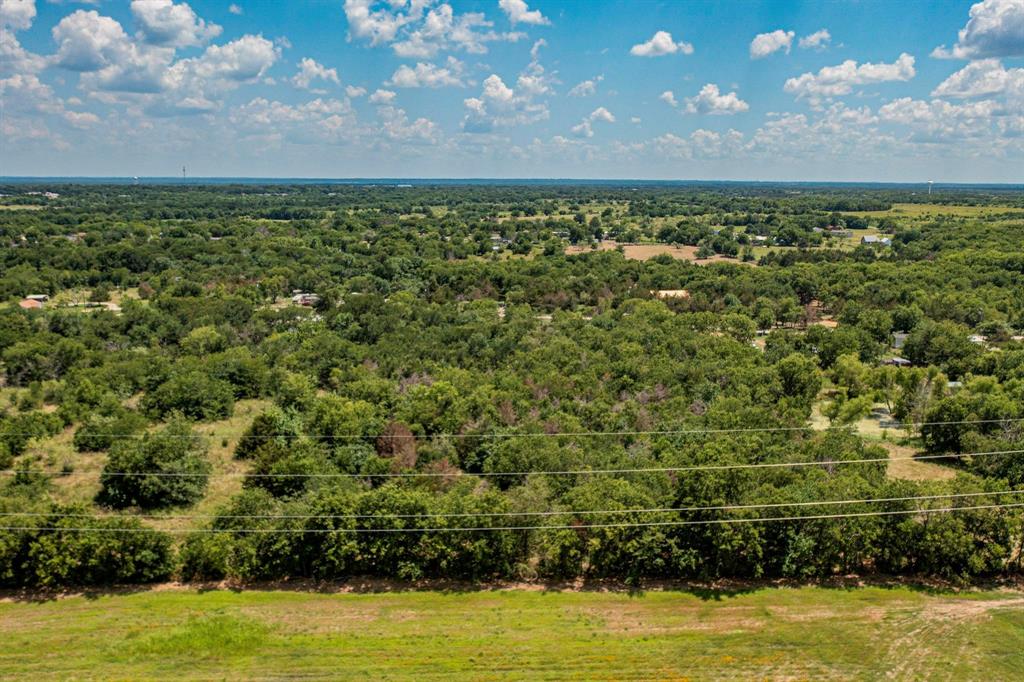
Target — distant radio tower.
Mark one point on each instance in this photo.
(183, 178)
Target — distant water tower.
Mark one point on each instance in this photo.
(930, 188)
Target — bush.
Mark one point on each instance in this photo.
(99, 433)
(203, 341)
(40, 359)
(248, 375)
(288, 470)
(17, 431)
(193, 394)
(204, 556)
(164, 469)
(274, 425)
(120, 551)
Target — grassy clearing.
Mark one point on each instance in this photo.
(774, 633)
(79, 296)
(910, 470)
(648, 251)
(222, 437)
(82, 484)
(876, 428)
(921, 210)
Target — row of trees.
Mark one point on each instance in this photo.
(388, 532)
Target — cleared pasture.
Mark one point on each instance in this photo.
(747, 633)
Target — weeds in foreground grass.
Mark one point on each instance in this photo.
(205, 637)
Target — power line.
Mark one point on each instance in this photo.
(565, 512)
(639, 524)
(539, 434)
(489, 474)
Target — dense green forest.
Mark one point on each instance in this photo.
(509, 382)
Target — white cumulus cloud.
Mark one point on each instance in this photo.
(710, 101)
(995, 29)
(17, 15)
(765, 44)
(381, 96)
(245, 59)
(982, 78)
(427, 75)
(818, 40)
(519, 13)
(311, 70)
(833, 81)
(165, 23)
(660, 44)
(585, 128)
(500, 106)
(417, 29)
(98, 47)
(586, 88)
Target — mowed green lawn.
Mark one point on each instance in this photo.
(775, 633)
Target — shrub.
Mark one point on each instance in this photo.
(120, 550)
(274, 425)
(193, 394)
(163, 469)
(99, 433)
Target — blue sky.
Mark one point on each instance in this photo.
(857, 90)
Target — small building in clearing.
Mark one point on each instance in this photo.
(304, 299)
(34, 301)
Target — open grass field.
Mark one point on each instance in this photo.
(919, 210)
(648, 251)
(772, 633)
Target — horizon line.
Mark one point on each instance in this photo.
(481, 179)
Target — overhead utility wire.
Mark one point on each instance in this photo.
(561, 512)
(487, 474)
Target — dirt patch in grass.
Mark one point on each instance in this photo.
(930, 632)
(636, 619)
(967, 609)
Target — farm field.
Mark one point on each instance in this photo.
(918, 210)
(772, 633)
